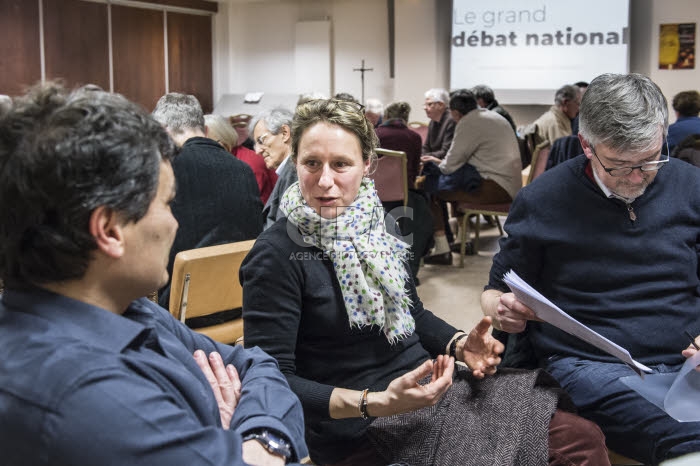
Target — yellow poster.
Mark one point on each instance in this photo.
(677, 46)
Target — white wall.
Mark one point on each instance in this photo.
(254, 47)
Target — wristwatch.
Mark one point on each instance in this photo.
(273, 442)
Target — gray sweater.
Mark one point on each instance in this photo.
(485, 140)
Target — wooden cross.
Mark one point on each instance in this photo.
(362, 70)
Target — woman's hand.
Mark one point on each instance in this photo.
(480, 350)
(405, 394)
(224, 382)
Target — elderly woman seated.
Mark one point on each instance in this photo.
(327, 293)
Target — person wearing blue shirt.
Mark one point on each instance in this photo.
(687, 107)
(91, 373)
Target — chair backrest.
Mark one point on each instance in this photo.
(420, 128)
(391, 176)
(240, 123)
(527, 143)
(205, 281)
(539, 161)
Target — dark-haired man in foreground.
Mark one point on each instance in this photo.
(90, 373)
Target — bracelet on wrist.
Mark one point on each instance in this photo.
(453, 345)
(362, 405)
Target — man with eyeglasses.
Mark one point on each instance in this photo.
(441, 131)
(612, 238)
(271, 130)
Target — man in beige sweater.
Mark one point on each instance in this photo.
(484, 140)
(555, 123)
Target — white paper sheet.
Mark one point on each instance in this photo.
(550, 313)
(677, 393)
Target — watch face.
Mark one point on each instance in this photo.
(276, 444)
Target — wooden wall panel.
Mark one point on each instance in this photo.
(20, 65)
(138, 49)
(189, 57)
(76, 42)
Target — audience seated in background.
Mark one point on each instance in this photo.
(92, 373)
(375, 371)
(217, 196)
(346, 96)
(563, 149)
(373, 111)
(581, 86)
(219, 129)
(688, 150)
(441, 130)
(271, 130)
(486, 99)
(309, 96)
(394, 134)
(484, 160)
(687, 107)
(555, 123)
(614, 243)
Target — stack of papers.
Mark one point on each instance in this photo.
(550, 313)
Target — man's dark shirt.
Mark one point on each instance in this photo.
(217, 200)
(83, 386)
(495, 107)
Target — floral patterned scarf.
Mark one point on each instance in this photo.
(368, 261)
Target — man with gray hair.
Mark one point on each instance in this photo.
(217, 195)
(374, 108)
(612, 238)
(555, 123)
(272, 132)
(441, 129)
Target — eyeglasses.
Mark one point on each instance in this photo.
(430, 104)
(358, 107)
(263, 138)
(645, 167)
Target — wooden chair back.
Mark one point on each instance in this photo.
(391, 176)
(539, 161)
(205, 281)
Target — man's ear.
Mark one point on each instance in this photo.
(286, 132)
(105, 226)
(585, 146)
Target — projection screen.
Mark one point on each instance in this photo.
(526, 49)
